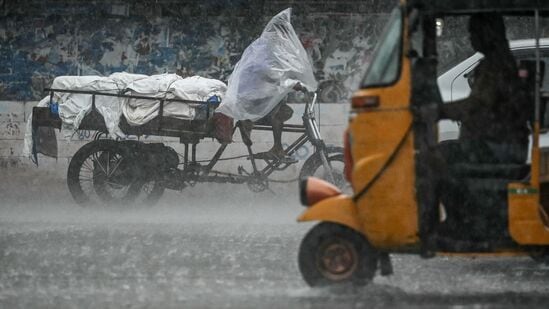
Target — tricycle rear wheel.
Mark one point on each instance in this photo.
(335, 254)
(103, 172)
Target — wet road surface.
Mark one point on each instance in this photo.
(202, 251)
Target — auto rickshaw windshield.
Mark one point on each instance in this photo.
(383, 69)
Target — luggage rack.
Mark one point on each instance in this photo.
(187, 130)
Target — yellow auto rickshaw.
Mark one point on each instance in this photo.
(408, 197)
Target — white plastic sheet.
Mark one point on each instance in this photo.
(74, 107)
(27, 140)
(268, 70)
(141, 111)
(169, 86)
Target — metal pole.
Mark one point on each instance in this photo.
(538, 68)
(535, 136)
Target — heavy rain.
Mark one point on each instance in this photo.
(157, 154)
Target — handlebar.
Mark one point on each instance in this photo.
(313, 102)
(309, 104)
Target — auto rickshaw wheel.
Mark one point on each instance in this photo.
(102, 172)
(335, 254)
(541, 256)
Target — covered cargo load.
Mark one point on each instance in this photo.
(112, 100)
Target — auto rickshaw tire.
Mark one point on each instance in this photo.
(541, 256)
(83, 199)
(328, 244)
(314, 162)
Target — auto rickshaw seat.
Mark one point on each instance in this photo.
(477, 209)
(475, 199)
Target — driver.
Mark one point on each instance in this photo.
(494, 117)
(276, 118)
(270, 68)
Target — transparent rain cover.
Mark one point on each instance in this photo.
(268, 70)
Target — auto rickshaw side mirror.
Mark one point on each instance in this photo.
(470, 76)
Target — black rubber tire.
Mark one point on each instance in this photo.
(103, 197)
(153, 195)
(329, 92)
(314, 162)
(100, 180)
(324, 237)
(541, 256)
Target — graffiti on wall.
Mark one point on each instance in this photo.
(36, 48)
(9, 124)
(340, 49)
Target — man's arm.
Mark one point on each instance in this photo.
(483, 93)
(455, 110)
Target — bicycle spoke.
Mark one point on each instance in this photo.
(114, 184)
(97, 160)
(117, 165)
(87, 165)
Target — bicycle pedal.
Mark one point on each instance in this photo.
(242, 171)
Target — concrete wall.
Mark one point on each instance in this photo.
(40, 40)
(332, 119)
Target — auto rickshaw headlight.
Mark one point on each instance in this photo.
(313, 190)
(365, 102)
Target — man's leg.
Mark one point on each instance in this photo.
(277, 137)
(280, 115)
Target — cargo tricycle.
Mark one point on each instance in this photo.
(129, 172)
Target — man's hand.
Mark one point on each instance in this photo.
(299, 87)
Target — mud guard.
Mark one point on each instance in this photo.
(338, 209)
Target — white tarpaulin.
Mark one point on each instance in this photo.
(168, 86)
(74, 107)
(268, 70)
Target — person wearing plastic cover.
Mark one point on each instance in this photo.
(494, 117)
(272, 66)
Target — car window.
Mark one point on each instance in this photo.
(461, 81)
(529, 54)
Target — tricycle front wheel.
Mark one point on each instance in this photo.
(335, 254)
(314, 167)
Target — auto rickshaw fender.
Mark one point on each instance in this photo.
(338, 209)
(366, 169)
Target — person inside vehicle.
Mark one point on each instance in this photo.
(494, 118)
(492, 145)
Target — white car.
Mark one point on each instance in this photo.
(453, 84)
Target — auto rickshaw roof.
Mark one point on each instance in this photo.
(456, 7)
